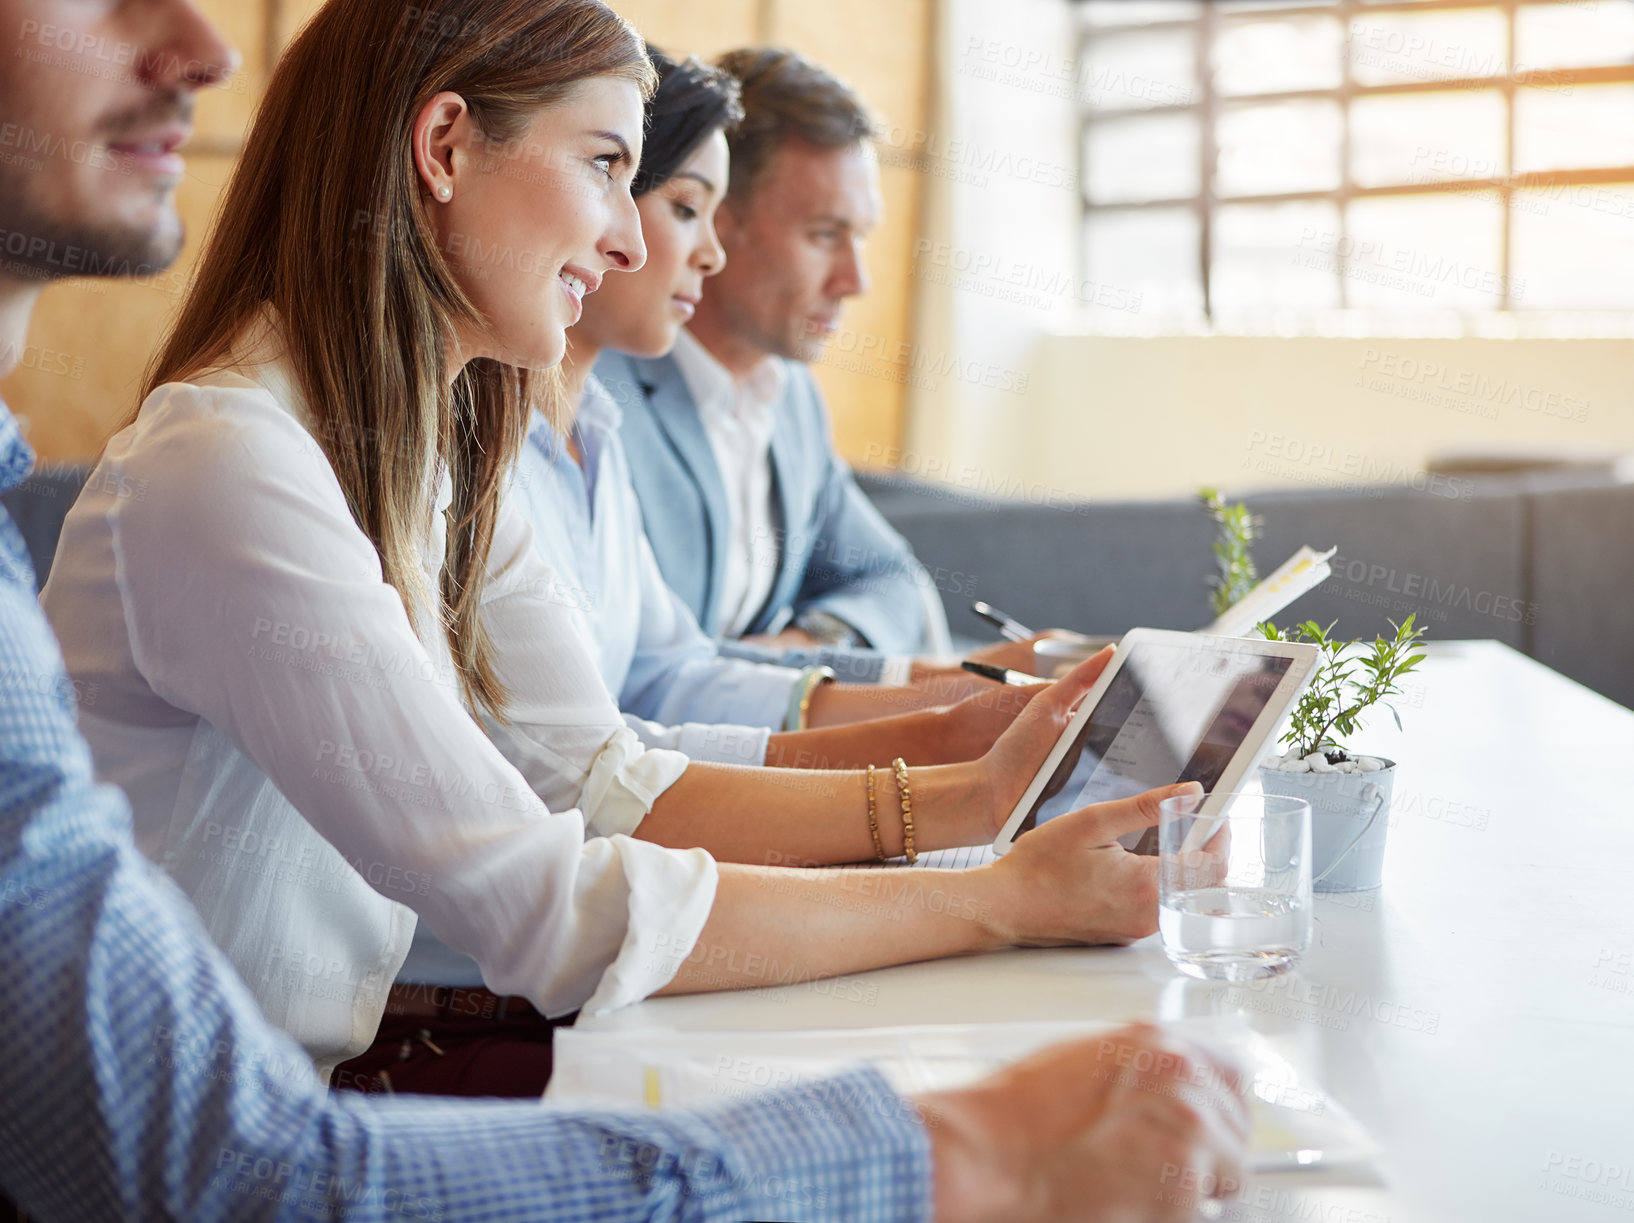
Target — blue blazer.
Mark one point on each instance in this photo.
(837, 552)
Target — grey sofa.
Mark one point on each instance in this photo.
(39, 504)
(1538, 564)
(1541, 566)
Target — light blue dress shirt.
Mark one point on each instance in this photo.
(139, 1080)
(665, 672)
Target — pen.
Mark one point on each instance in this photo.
(1018, 679)
(1006, 626)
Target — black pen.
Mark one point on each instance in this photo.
(1004, 675)
(1006, 626)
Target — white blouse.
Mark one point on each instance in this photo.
(302, 764)
(649, 649)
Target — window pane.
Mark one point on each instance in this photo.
(1152, 252)
(1573, 35)
(1427, 137)
(1274, 56)
(1573, 247)
(1289, 146)
(1235, 7)
(1136, 12)
(1425, 252)
(1273, 258)
(1392, 48)
(1152, 68)
(1151, 157)
(1587, 125)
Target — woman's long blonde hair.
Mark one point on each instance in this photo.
(325, 222)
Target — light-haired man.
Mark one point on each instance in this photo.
(140, 1082)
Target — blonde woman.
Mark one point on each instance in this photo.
(303, 625)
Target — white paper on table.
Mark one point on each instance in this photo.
(1295, 1123)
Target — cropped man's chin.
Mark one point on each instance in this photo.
(100, 249)
(154, 222)
(807, 350)
(654, 344)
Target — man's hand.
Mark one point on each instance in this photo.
(788, 639)
(936, 684)
(1130, 1127)
(1017, 655)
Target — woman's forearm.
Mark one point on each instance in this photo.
(836, 704)
(926, 736)
(1068, 881)
(772, 927)
(809, 817)
(930, 734)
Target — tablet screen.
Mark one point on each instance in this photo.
(1172, 713)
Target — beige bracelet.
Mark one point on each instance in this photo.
(901, 767)
(873, 819)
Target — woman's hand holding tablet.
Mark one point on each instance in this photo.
(1016, 755)
(1166, 708)
(1070, 881)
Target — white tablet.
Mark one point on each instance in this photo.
(1170, 707)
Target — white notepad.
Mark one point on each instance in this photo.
(1296, 1123)
(954, 859)
(1304, 570)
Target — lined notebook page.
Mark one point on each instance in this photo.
(945, 859)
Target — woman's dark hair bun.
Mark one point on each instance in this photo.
(693, 101)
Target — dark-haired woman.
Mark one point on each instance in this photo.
(301, 627)
(573, 486)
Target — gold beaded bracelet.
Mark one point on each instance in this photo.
(873, 819)
(901, 767)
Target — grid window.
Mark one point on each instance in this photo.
(1386, 155)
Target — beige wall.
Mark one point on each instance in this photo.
(1161, 417)
(91, 340)
(1116, 417)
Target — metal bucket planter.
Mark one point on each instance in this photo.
(1350, 814)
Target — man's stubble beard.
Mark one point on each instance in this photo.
(57, 250)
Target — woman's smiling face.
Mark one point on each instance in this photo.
(530, 227)
(642, 313)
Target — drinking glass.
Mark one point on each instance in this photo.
(1234, 888)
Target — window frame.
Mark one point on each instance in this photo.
(1210, 106)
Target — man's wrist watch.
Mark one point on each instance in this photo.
(805, 687)
(827, 628)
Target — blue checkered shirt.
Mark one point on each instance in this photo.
(139, 1081)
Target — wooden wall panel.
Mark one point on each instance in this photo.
(688, 27)
(883, 51)
(91, 341)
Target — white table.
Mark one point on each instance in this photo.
(1476, 1013)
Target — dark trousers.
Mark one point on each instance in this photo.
(454, 1042)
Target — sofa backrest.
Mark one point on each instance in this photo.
(38, 506)
(1541, 568)
(1581, 573)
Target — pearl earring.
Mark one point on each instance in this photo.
(445, 193)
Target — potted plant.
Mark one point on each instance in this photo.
(1349, 793)
(1234, 571)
